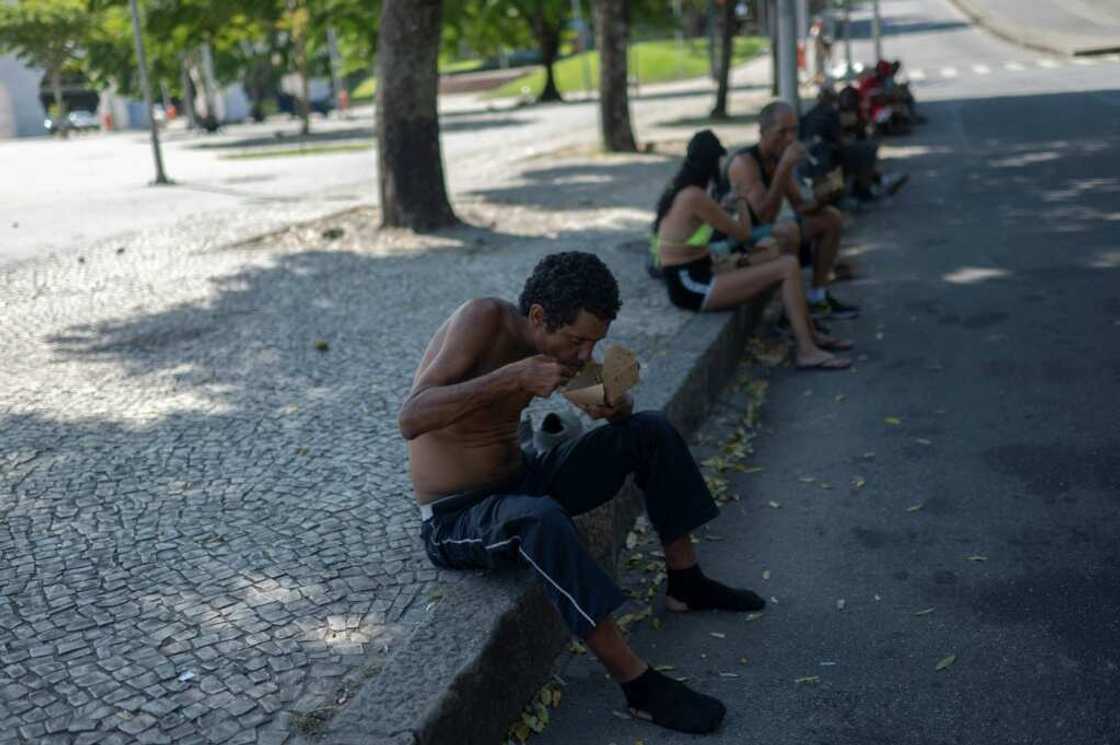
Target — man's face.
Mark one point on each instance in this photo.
(781, 135)
(571, 344)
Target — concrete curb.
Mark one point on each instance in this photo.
(488, 644)
(1043, 41)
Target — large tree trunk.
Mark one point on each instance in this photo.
(726, 28)
(612, 22)
(410, 165)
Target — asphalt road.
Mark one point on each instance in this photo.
(969, 464)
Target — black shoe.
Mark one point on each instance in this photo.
(838, 310)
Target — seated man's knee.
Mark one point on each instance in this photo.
(835, 219)
(788, 235)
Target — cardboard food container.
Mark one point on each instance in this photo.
(597, 384)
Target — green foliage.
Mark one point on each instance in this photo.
(45, 33)
(649, 62)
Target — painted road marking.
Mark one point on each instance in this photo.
(948, 72)
(981, 69)
(1013, 66)
(917, 75)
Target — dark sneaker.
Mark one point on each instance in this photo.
(821, 310)
(838, 310)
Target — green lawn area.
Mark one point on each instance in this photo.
(364, 91)
(650, 61)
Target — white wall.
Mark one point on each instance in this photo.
(21, 114)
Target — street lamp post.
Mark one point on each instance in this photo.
(848, 74)
(142, 64)
(787, 54)
(875, 31)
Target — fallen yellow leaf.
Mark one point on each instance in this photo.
(766, 574)
(717, 635)
(924, 612)
(775, 505)
(808, 680)
(946, 662)
(915, 507)
(892, 420)
(977, 557)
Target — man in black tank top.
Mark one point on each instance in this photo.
(763, 174)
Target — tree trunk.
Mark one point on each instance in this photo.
(726, 27)
(548, 37)
(410, 164)
(62, 126)
(612, 23)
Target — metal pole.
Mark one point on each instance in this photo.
(142, 63)
(577, 15)
(787, 54)
(875, 29)
(848, 74)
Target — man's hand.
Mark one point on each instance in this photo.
(793, 155)
(763, 252)
(619, 410)
(541, 375)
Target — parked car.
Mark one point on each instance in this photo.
(79, 120)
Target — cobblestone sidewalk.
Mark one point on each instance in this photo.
(206, 529)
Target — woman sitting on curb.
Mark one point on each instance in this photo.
(683, 211)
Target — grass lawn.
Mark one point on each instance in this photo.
(650, 61)
(287, 152)
(364, 91)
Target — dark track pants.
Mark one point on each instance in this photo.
(530, 518)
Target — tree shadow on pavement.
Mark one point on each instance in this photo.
(316, 137)
(627, 182)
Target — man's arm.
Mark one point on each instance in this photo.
(746, 181)
(440, 396)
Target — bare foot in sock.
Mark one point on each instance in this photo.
(672, 704)
(689, 590)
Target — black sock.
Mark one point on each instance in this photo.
(698, 592)
(672, 704)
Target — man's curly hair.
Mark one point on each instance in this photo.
(564, 283)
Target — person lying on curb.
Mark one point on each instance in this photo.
(486, 503)
(684, 206)
(763, 175)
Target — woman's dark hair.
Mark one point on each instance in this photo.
(700, 167)
(565, 283)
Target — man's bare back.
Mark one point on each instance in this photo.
(480, 448)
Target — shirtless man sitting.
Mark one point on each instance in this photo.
(763, 176)
(485, 503)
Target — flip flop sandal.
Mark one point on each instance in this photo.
(835, 345)
(828, 363)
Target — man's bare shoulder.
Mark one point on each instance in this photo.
(485, 315)
(743, 167)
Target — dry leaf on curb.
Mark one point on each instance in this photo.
(977, 557)
(946, 662)
(808, 680)
(924, 612)
(923, 441)
(766, 574)
(869, 455)
(717, 635)
(807, 479)
(753, 616)
(858, 482)
(664, 668)
(892, 420)
(775, 505)
(729, 675)
(743, 660)
(915, 507)
(841, 603)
